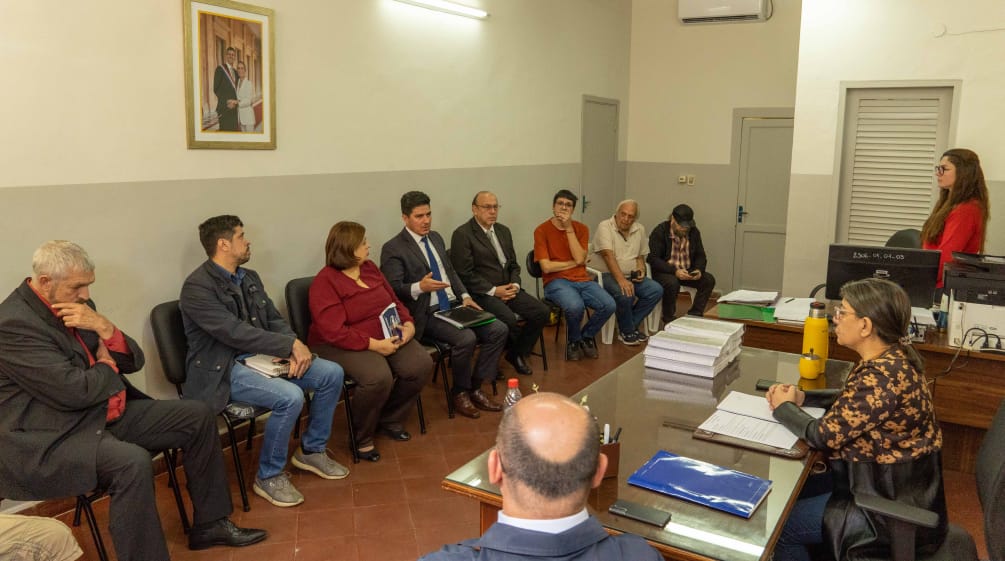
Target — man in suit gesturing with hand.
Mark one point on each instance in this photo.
(417, 268)
(482, 253)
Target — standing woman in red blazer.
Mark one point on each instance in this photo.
(960, 217)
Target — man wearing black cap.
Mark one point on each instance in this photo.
(677, 257)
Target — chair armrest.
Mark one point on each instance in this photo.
(597, 275)
(897, 510)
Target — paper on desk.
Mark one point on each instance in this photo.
(754, 430)
(749, 297)
(922, 316)
(749, 417)
(756, 406)
(793, 309)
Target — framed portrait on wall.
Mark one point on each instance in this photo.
(230, 100)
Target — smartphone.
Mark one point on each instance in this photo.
(764, 384)
(642, 513)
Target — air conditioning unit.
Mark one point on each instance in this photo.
(721, 11)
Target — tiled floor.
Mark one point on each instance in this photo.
(394, 509)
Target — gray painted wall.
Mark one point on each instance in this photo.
(143, 235)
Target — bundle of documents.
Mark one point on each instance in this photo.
(268, 365)
(748, 304)
(749, 297)
(676, 387)
(748, 417)
(703, 483)
(695, 346)
(793, 310)
(464, 316)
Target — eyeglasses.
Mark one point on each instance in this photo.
(489, 207)
(839, 311)
(941, 170)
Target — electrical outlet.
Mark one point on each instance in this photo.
(682, 179)
(690, 180)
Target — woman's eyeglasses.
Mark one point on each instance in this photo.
(940, 169)
(839, 311)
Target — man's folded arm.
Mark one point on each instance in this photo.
(41, 368)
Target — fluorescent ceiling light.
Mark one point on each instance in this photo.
(449, 7)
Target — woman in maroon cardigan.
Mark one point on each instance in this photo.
(346, 300)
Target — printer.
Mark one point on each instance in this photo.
(975, 285)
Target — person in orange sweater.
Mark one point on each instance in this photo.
(960, 217)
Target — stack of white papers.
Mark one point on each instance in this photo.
(749, 297)
(749, 417)
(695, 346)
(677, 387)
(793, 309)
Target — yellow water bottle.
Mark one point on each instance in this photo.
(816, 334)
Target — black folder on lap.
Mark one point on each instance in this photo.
(464, 316)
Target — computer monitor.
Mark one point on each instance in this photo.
(916, 270)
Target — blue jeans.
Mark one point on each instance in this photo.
(804, 527)
(573, 298)
(632, 310)
(285, 396)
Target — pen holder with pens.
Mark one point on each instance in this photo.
(613, 453)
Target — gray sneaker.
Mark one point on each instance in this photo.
(319, 464)
(278, 490)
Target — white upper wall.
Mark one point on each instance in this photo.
(859, 40)
(94, 90)
(687, 79)
(892, 40)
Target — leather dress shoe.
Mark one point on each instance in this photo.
(519, 364)
(223, 532)
(463, 405)
(484, 402)
(371, 455)
(401, 435)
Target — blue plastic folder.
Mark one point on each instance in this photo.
(700, 482)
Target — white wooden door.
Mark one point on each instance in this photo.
(762, 203)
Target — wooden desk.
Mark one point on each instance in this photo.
(695, 532)
(965, 399)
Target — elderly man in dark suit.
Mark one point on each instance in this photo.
(482, 253)
(71, 422)
(551, 453)
(416, 265)
(225, 89)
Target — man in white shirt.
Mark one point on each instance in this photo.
(546, 460)
(622, 245)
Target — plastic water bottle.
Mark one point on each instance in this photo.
(513, 394)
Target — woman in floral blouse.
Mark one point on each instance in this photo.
(879, 435)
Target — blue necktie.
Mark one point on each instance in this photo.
(441, 294)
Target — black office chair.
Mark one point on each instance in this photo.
(299, 311)
(172, 345)
(909, 238)
(534, 269)
(959, 545)
(86, 501)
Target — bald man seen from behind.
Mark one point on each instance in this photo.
(546, 460)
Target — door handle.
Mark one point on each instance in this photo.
(586, 203)
(740, 214)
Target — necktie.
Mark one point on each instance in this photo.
(495, 244)
(441, 294)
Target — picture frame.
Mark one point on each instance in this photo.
(230, 100)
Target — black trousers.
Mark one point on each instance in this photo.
(671, 286)
(126, 472)
(533, 311)
(491, 338)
